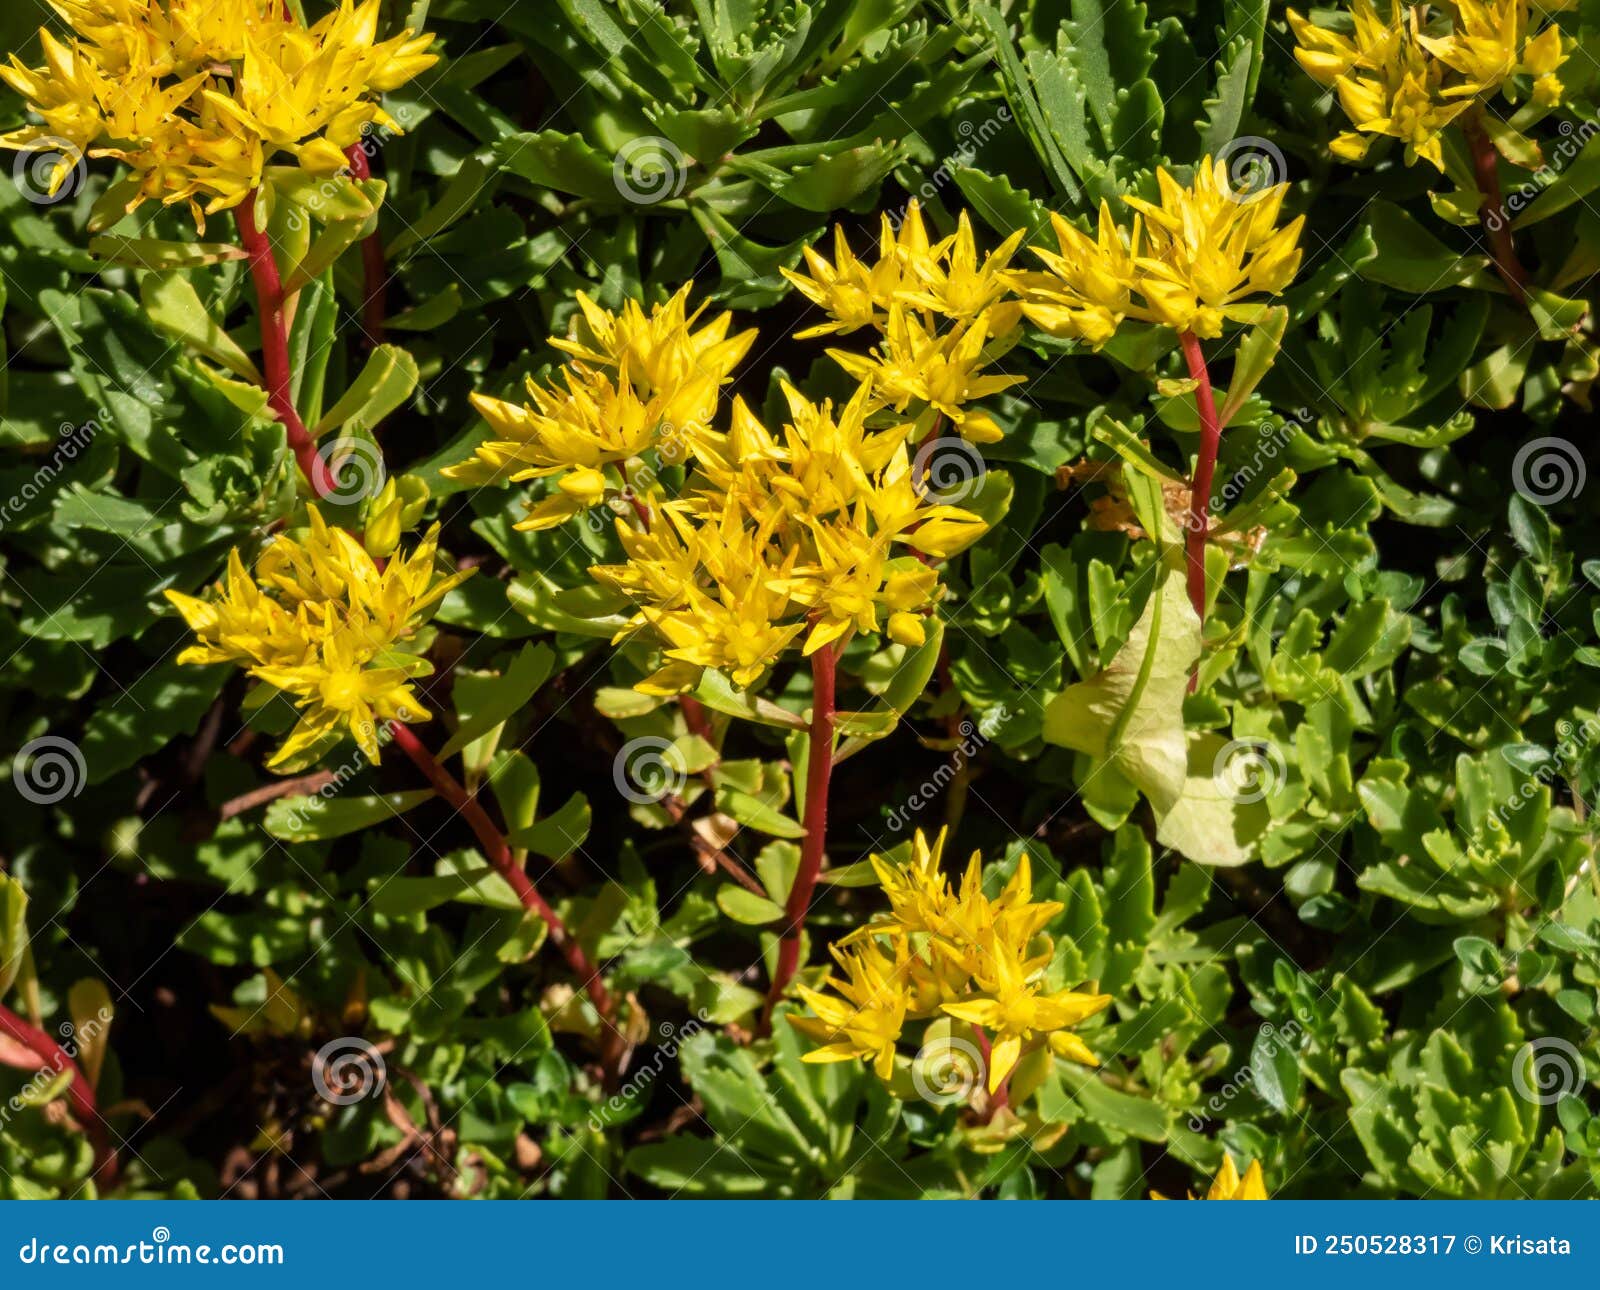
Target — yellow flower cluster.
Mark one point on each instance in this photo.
(637, 381)
(1410, 74)
(798, 537)
(776, 535)
(942, 315)
(945, 952)
(1189, 262)
(196, 96)
(321, 622)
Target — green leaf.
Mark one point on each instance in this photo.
(1253, 360)
(755, 814)
(1412, 259)
(387, 380)
(1025, 104)
(327, 198)
(315, 817)
(1275, 1070)
(746, 907)
(13, 930)
(910, 679)
(557, 836)
(1224, 111)
(326, 248)
(168, 700)
(563, 162)
(1130, 714)
(1139, 1117)
(174, 306)
(832, 183)
(461, 877)
(501, 697)
(1579, 178)
(158, 256)
(717, 692)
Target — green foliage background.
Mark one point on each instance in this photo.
(1368, 1005)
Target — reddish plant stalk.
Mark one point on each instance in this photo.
(374, 270)
(1205, 466)
(1001, 1096)
(639, 508)
(498, 851)
(78, 1093)
(275, 348)
(694, 716)
(1492, 209)
(819, 772)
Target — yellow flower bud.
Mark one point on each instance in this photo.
(584, 484)
(980, 427)
(906, 629)
(382, 534)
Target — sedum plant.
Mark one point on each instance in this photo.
(1152, 482)
(196, 99)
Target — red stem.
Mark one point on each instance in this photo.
(374, 270)
(275, 348)
(78, 1093)
(1492, 209)
(1002, 1095)
(275, 351)
(1205, 467)
(694, 716)
(819, 771)
(498, 851)
(639, 508)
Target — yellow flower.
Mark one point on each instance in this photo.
(912, 363)
(943, 312)
(1409, 110)
(1195, 259)
(196, 96)
(1229, 1186)
(661, 350)
(302, 90)
(867, 1018)
(1015, 1010)
(638, 381)
(1208, 248)
(322, 623)
(858, 294)
(1085, 296)
(957, 953)
(1489, 45)
(570, 433)
(1399, 78)
(1327, 55)
(784, 540)
(951, 281)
